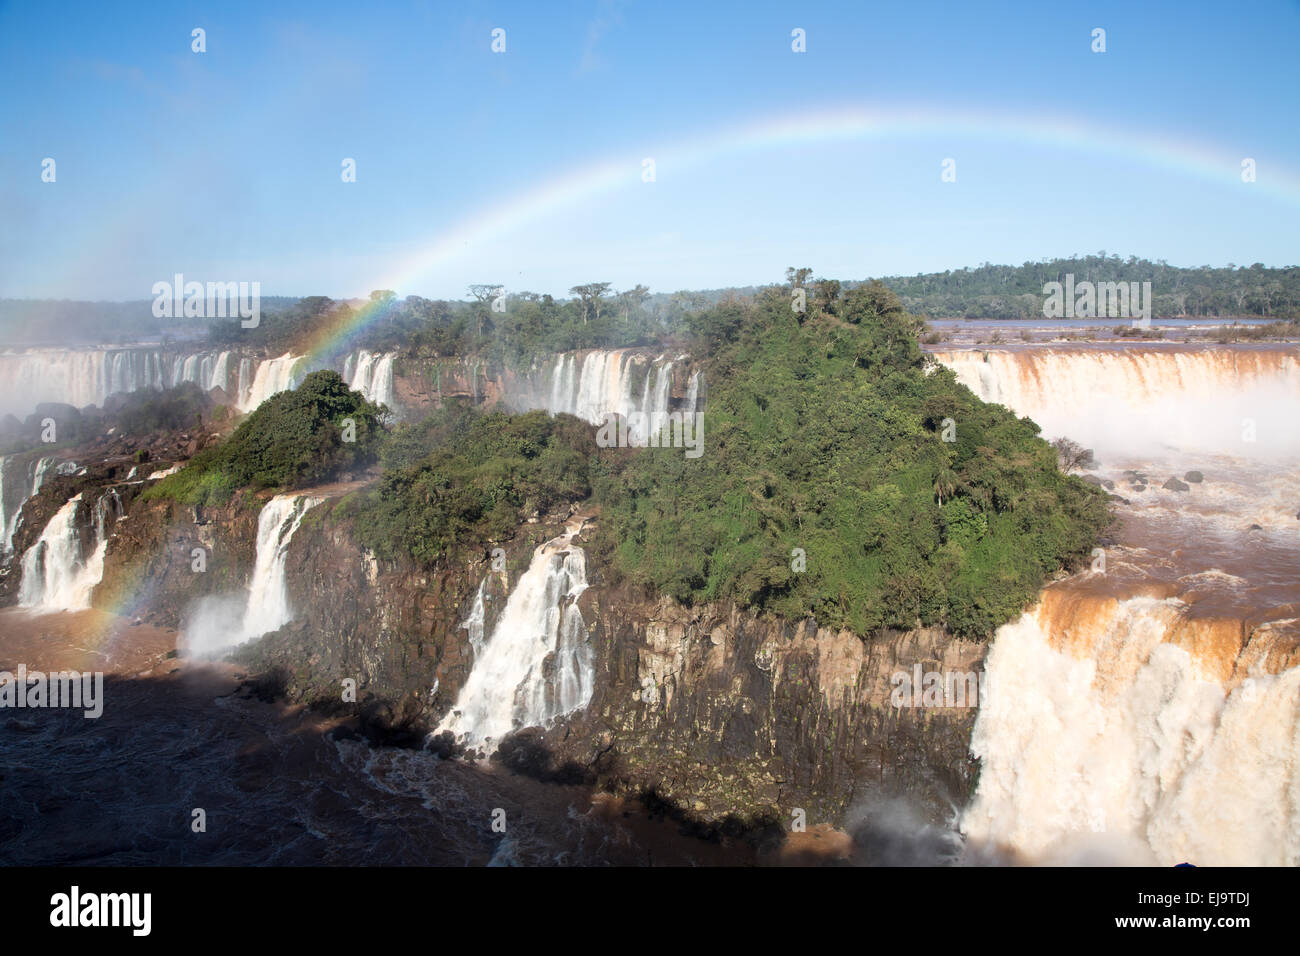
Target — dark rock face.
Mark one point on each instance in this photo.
(151, 560)
(1195, 477)
(423, 384)
(1173, 484)
(721, 718)
(392, 629)
(729, 718)
(91, 483)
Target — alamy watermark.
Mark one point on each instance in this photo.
(922, 688)
(653, 430)
(128, 910)
(217, 300)
(36, 689)
(1089, 300)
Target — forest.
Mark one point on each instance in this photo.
(507, 324)
(846, 479)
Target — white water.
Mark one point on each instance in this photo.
(17, 485)
(371, 374)
(537, 665)
(594, 384)
(1143, 401)
(88, 376)
(272, 376)
(57, 572)
(1144, 729)
(1130, 745)
(83, 377)
(221, 622)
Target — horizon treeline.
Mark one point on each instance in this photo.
(598, 315)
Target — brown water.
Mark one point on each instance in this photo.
(1148, 710)
(281, 785)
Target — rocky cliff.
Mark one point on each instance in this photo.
(724, 718)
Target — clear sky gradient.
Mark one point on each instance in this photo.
(225, 165)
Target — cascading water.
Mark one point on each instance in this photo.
(537, 665)
(17, 485)
(76, 376)
(1141, 398)
(371, 374)
(272, 376)
(222, 622)
(1149, 709)
(89, 376)
(601, 382)
(1114, 727)
(19, 480)
(57, 572)
(83, 377)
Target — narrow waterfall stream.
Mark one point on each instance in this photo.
(59, 572)
(512, 683)
(220, 622)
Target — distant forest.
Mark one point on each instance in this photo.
(599, 315)
(1016, 292)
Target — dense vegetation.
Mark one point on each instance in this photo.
(1016, 292)
(827, 435)
(524, 326)
(293, 439)
(148, 412)
(597, 315)
(462, 477)
(841, 480)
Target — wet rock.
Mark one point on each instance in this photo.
(1119, 499)
(1255, 527)
(1173, 484)
(1195, 477)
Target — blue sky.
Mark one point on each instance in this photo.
(226, 164)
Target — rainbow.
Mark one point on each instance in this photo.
(1185, 158)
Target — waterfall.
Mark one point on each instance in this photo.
(537, 665)
(57, 573)
(272, 376)
(371, 374)
(43, 469)
(693, 394)
(88, 376)
(1150, 708)
(268, 595)
(17, 485)
(1130, 722)
(600, 382)
(225, 621)
(1138, 398)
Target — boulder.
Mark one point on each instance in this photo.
(1173, 484)
(1195, 477)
